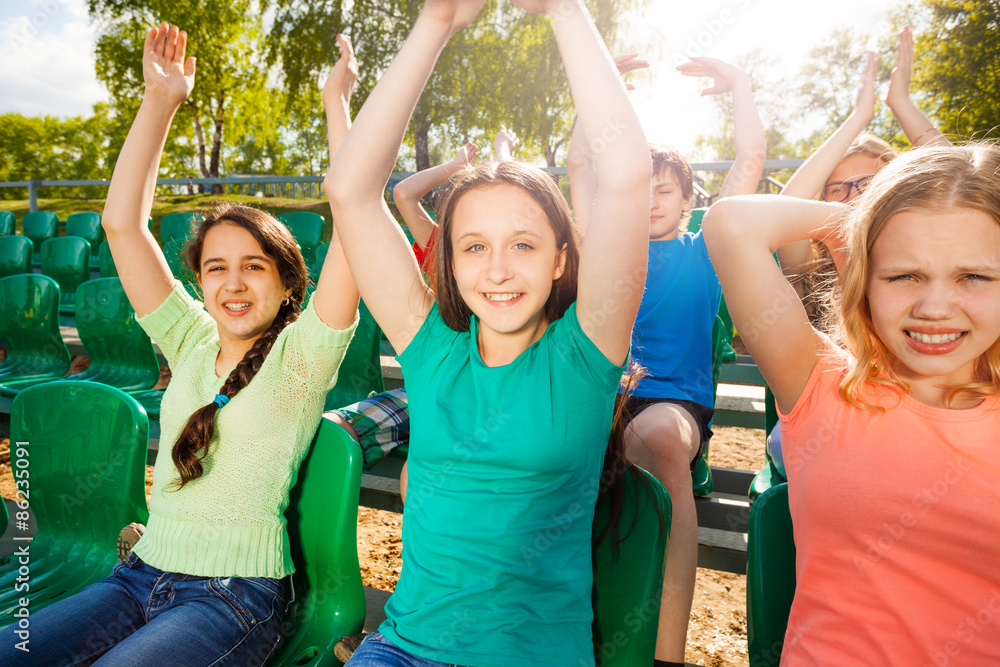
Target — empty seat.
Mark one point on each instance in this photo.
(105, 262)
(770, 575)
(86, 226)
(39, 226)
(307, 228)
(15, 255)
(179, 226)
(7, 223)
(67, 260)
(29, 328)
(361, 371)
(87, 457)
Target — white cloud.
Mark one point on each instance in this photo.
(49, 61)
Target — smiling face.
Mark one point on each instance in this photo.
(243, 289)
(667, 204)
(505, 260)
(934, 294)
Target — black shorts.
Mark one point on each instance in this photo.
(702, 416)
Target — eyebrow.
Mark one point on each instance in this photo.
(517, 232)
(244, 258)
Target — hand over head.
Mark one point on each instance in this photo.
(454, 13)
(628, 62)
(168, 76)
(725, 76)
(902, 73)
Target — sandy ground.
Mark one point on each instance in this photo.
(717, 634)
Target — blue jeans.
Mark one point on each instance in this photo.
(141, 615)
(377, 651)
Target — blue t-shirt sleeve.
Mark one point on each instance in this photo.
(581, 354)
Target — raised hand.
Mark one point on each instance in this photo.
(168, 76)
(505, 143)
(454, 13)
(725, 76)
(902, 73)
(627, 63)
(340, 84)
(467, 154)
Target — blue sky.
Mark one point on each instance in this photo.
(47, 49)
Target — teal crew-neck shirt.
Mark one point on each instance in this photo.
(504, 467)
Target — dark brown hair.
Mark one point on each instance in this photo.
(540, 187)
(278, 244)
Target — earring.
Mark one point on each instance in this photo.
(287, 301)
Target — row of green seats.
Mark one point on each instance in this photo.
(74, 428)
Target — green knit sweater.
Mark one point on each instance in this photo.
(230, 521)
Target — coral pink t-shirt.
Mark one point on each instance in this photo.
(897, 528)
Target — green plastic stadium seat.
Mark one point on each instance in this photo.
(7, 223)
(121, 354)
(321, 250)
(39, 226)
(770, 575)
(628, 580)
(87, 226)
(361, 372)
(66, 259)
(29, 328)
(701, 476)
(87, 457)
(307, 228)
(15, 255)
(105, 262)
(179, 226)
(322, 519)
(173, 251)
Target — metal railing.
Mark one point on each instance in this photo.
(305, 186)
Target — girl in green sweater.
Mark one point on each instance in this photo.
(210, 580)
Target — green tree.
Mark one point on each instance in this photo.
(959, 66)
(231, 95)
(49, 148)
(502, 69)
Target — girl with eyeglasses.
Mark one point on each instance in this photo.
(841, 169)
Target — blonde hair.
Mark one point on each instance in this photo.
(932, 179)
(869, 144)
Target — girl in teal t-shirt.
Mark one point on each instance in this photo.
(512, 361)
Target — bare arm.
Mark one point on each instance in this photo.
(741, 233)
(748, 132)
(613, 257)
(579, 166)
(336, 296)
(169, 79)
(408, 192)
(808, 180)
(377, 251)
(919, 130)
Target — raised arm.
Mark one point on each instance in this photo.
(336, 296)
(408, 192)
(169, 79)
(919, 130)
(741, 233)
(579, 165)
(748, 132)
(613, 256)
(808, 180)
(377, 251)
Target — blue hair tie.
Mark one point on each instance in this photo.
(220, 400)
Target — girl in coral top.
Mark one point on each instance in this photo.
(890, 433)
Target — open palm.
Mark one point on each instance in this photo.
(164, 69)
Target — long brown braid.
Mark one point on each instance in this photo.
(278, 244)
